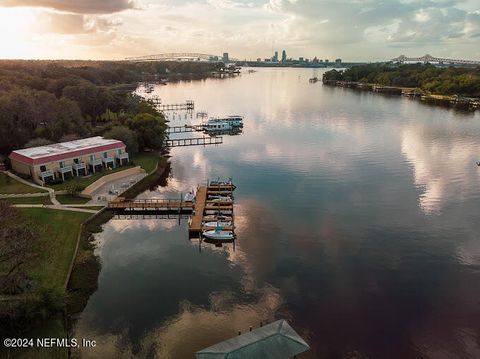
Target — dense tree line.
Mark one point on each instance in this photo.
(45, 101)
(429, 78)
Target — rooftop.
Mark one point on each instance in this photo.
(55, 151)
(273, 341)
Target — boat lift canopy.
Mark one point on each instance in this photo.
(276, 340)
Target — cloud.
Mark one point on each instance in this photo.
(76, 6)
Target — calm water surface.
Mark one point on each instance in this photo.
(358, 221)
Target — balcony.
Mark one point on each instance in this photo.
(108, 161)
(123, 156)
(47, 173)
(96, 162)
(79, 166)
(65, 169)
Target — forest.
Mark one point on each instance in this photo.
(429, 78)
(50, 101)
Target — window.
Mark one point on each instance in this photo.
(105, 154)
(76, 160)
(119, 151)
(43, 168)
(92, 157)
(61, 164)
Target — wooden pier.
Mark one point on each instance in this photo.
(197, 210)
(198, 141)
(187, 106)
(184, 129)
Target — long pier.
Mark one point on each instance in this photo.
(199, 141)
(184, 129)
(187, 106)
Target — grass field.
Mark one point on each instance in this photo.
(147, 160)
(9, 185)
(56, 246)
(71, 199)
(29, 200)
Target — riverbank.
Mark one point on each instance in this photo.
(466, 103)
(450, 87)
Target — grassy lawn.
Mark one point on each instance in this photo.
(80, 183)
(98, 208)
(147, 160)
(9, 185)
(71, 199)
(56, 246)
(29, 200)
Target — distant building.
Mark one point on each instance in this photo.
(259, 59)
(225, 57)
(284, 56)
(327, 61)
(275, 57)
(315, 60)
(300, 59)
(45, 164)
(338, 61)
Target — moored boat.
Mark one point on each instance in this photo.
(219, 235)
(218, 224)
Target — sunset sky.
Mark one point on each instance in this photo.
(353, 30)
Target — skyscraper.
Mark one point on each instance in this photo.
(275, 57)
(225, 57)
(284, 56)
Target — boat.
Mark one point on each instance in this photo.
(227, 194)
(233, 120)
(218, 224)
(189, 197)
(215, 212)
(219, 235)
(478, 163)
(220, 199)
(218, 217)
(221, 182)
(217, 126)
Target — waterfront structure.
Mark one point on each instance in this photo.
(277, 340)
(64, 160)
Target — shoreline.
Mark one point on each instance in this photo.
(450, 101)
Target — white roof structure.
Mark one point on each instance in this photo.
(70, 149)
(276, 340)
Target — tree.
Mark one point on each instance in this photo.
(16, 248)
(126, 135)
(150, 130)
(36, 142)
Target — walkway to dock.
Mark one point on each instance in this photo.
(184, 129)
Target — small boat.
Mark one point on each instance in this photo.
(227, 194)
(215, 212)
(478, 163)
(219, 235)
(220, 199)
(218, 224)
(218, 217)
(220, 182)
(189, 197)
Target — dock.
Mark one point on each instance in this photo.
(196, 141)
(187, 106)
(184, 129)
(196, 210)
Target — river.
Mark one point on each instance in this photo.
(357, 219)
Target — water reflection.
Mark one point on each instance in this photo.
(356, 219)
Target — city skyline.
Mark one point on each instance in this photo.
(115, 29)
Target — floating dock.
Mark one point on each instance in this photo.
(185, 129)
(187, 106)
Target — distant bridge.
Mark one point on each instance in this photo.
(177, 56)
(431, 59)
